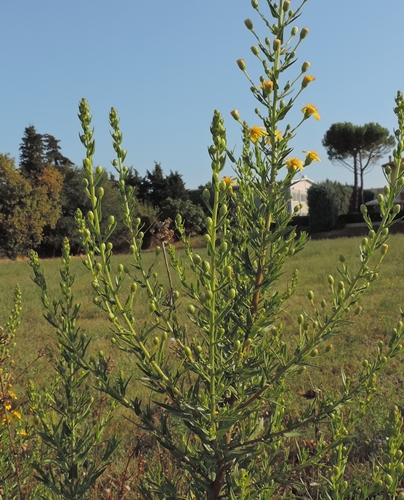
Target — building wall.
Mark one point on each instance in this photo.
(298, 192)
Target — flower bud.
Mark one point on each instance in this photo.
(304, 33)
(156, 341)
(241, 64)
(295, 31)
(305, 66)
(254, 4)
(380, 198)
(235, 114)
(248, 24)
(286, 5)
(191, 309)
(98, 170)
(314, 353)
(330, 280)
(255, 50)
(341, 286)
(310, 295)
(111, 220)
(384, 248)
(101, 192)
(396, 209)
(276, 44)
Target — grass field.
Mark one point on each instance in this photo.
(381, 310)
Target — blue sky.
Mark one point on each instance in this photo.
(166, 65)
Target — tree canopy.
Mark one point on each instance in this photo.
(358, 148)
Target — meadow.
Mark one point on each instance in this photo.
(355, 342)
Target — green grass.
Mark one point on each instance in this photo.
(381, 310)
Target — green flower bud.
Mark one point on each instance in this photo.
(314, 353)
(330, 280)
(101, 192)
(329, 348)
(90, 216)
(300, 319)
(156, 341)
(310, 295)
(235, 114)
(199, 348)
(295, 31)
(120, 268)
(365, 242)
(133, 287)
(197, 259)
(208, 295)
(237, 345)
(188, 352)
(286, 5)
(341, 286)
(152, 307)
(241, 64)
(396, 209)
(176, 294)
(111, 220)
(384, 249)
(155, 275)
(380, 199)
(255, 50)
(98, 170)
(388, 480)
(304, 33)
(306, 64)
(206, 266)
(277, 44)
(232, 293)
(137, 222)
(364, 209)
(191, 309)
(157, 251)
(248, 24)
(323, 303)
(358, 310)
(254, 4)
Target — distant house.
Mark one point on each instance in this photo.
(298, 195)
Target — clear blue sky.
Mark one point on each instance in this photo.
(166, 65)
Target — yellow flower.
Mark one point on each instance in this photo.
(229, 181)
(309, 110)
(267, 86)
(310, 157)
(257, 132)
(294, 164)
(11, 394)
(306, 80)
(23, 432)
(17, 414)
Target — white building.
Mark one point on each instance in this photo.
(298, 195)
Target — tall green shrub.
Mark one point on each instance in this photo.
(323, 208)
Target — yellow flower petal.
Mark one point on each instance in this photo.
(310, 110)
(293, 164)
(257, 132)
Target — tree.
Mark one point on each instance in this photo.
(26, 209)
(52, 154)
(31, 153)
(358, 148)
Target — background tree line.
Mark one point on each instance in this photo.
(40, 195)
